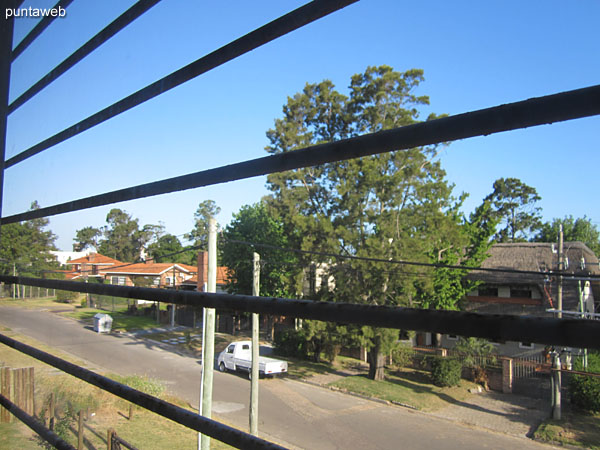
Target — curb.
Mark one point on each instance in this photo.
(354, 394)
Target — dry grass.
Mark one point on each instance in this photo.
(146, 430)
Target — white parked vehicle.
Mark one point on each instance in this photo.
(238, 356)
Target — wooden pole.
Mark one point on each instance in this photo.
(51, 412)
(255, 352)
(80, 431)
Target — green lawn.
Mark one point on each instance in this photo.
(121, 321)
(409, 387)
(576, 428)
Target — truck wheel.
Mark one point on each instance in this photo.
(222, 367)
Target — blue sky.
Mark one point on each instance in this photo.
(474, 54)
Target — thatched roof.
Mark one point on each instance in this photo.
(537, 257)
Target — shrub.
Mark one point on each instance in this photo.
(290, 343)
(445, 371)
(585, 390)
(66, 296)
(403, 355)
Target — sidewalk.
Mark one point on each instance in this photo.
(510, 414)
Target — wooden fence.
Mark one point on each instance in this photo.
(17, 385)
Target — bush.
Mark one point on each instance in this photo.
(403, 355)
(66, 296)
(585, 390)
(445, 371)
(290, 343)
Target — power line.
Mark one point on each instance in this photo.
(409, 263)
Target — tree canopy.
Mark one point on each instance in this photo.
(514, 206)
(279, 269)
(26, 246)
(581, 229)
(199, 234)
(121, 238)
(395, 205)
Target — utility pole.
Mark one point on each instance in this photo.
(173, 304)
(208, 345)
(560, 269)
(255, 345)
(556, 397)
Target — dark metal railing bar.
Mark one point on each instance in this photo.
(37, 30)
(275, 29)
(109, 31)
(565, 332)
(212, 428)
(33, 423)
(536, 111)
(6, 40)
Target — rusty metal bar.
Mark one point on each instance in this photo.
(273, 30)
(35, 425)
(37, 30)
(564, 332)
(536, 111)
(219, 431)
(109, 31)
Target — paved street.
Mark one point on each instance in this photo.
(294, 414)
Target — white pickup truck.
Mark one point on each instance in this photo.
(238, 356)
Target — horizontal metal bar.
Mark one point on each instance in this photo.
(565, 332)
(37, 30)
(537, 111)
(277, 28)
(210, 427)
(109, 31)
(33, 423)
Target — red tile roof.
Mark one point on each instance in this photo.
(95, 259)
(147, 269)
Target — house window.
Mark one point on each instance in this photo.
(121, 281)
(156, 281)
(452, 337)
(529, 345)
(520, 292)
(168, 281)
(488, 291)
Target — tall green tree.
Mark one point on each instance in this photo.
(26, 246)
(279, 269)
(513, 203)
(388, 206)
(168, 248)
(199, 234)
(581, 229)
(86, 238)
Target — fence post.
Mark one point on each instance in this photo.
(130, 411)
(507, 375)
(109, 439)
(80, 431)
(5, 375)
(51, 412)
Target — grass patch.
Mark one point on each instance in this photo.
(409, 387)
(576, 428)
(146, 430)
(121, 321)
(36, 303)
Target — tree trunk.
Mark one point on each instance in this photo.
(376, 364)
